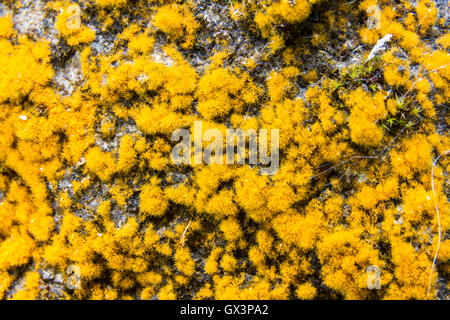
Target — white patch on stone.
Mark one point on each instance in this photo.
(379, 47)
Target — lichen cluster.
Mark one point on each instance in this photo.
(86, 177)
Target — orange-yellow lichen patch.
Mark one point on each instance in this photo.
(87, 179)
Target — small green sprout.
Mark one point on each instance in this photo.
(409, 124)
(390, 122)
(336, 85)
(400, 101)
(416, 111)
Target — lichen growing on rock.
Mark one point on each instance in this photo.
(87, 183)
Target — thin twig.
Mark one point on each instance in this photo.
(360, 157)
(184, 232)
(438, 218)
(342, 163)
(426, 72)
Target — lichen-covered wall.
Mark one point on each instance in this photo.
(86, 177)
